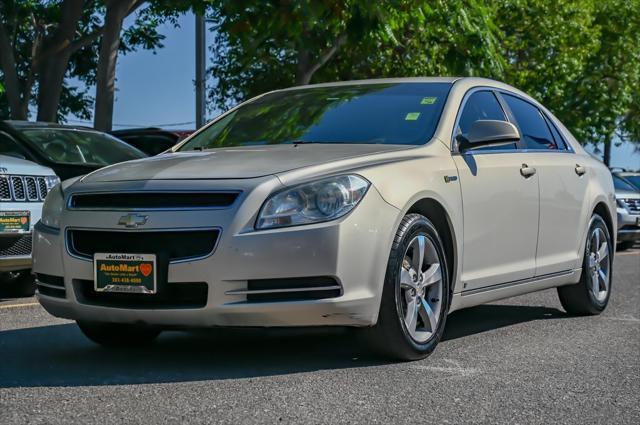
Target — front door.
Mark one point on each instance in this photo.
(500, 204)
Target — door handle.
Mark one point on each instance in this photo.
(580, 170)
(527, 171)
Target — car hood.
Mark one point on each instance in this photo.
(234, 163)
(626, 194)
(23, 167)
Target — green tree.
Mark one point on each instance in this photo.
(260, 46)
(580, 58)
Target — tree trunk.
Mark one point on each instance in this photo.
(12, 87)
(51, 72)
(607, 151)
(55, 59)
(303, 76)
(117, 10)
(306, 67)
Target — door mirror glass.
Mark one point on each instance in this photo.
(488, 133)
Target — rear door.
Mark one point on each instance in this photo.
(500, 203)
(563, 185)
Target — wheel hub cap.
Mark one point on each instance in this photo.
(421, 288)
(599, 264)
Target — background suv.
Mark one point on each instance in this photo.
(23, 187)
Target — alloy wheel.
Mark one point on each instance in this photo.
(421, 288)
(599, 264)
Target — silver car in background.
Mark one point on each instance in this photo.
(628, 199)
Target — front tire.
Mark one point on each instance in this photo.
(591, 295)
(415, 297)
(118, 335)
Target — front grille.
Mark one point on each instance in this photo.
(293, 289)
(12, 246)
(633, 205)
(17, 183)
(177, 245)
(31, 188)
(22, 188)
(52, 286)
(152, 200)
(169, 296)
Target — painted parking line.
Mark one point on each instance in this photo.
(18, 305)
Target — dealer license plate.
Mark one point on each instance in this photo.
(15, 221)
(127, 273)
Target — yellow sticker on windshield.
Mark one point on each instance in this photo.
(428, 100)
(412, 116)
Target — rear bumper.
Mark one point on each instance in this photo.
(352, 250)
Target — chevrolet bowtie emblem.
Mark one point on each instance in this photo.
(132, 220)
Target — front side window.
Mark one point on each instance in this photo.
(482, 105)
(533, 127)
(401, 113)
(71, 146)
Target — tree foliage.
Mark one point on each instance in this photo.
(580, 58)
(260, 46)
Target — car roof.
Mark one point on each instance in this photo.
(19, 125)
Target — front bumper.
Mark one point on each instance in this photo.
(353, 250)
(628, 226)
(15, 248)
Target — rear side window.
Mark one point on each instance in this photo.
(482, 105)
(562, 145)
(533, 126)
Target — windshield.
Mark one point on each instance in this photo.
(634, 180)
(71, 146)
(405, 113)
(621, 184)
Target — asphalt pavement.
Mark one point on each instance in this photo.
(518, 361)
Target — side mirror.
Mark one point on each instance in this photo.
(488, 133)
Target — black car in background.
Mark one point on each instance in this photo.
(69, 150)
(152, 140)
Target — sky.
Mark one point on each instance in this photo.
(158, 89)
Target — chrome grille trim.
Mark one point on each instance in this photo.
(19, 188)
(31, 188)
(633, 205)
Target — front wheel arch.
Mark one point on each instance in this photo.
(435, 212)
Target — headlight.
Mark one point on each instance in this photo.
(314, 202)
(621, 204)
(52, 208)
(51, 181)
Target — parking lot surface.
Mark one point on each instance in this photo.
(521, 360)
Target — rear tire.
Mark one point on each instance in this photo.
(591, 295)
(399, 334)
(118, 335)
